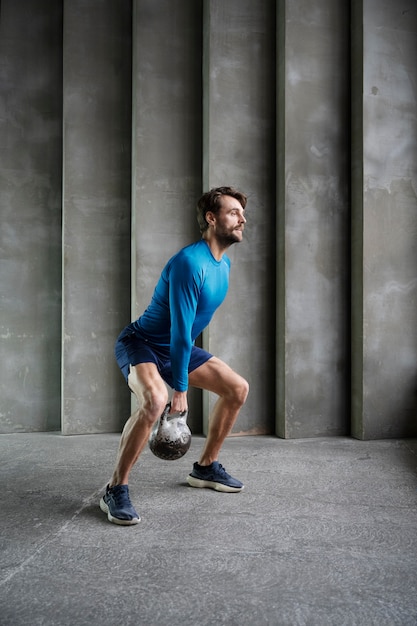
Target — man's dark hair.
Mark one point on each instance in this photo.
(211, 201)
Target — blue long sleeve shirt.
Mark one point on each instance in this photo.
(193, 284)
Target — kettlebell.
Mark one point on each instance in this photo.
(170, 437)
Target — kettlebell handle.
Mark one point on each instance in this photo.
(167, 408)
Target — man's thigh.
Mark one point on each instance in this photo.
(214, 375)
(144, 378)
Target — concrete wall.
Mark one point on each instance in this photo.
(384, 209)
(96, 212)
(158, 101)
(30, 205)
(239, 149)
(313, 219)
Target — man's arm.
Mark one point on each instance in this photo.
(179, 402)
(184, 290)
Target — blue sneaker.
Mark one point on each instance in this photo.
(116, 503)
(215, 477)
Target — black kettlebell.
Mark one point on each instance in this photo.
(170, 437)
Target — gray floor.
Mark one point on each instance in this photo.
(324, 533)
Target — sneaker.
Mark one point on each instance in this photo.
(116, 503)
(213, 476)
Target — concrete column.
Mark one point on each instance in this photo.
(96, 212)
(384, 286)
(30, 204)
(239, 150)
(313, 218)
(167, 143)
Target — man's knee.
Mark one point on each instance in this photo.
(151, 393)
(154, 402)
(240, 390)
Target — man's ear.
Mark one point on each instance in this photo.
(210, 218)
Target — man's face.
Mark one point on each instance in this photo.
(230, 221)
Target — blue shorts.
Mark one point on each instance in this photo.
(132, 348)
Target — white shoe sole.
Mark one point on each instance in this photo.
(116, 520)
(210, 484)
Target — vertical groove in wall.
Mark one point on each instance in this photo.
(206, 25)
(134, 173)
(206, 92)
(280, 424)
(357, 219)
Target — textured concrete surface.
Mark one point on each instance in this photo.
(314, 217)
(96, 212)
(239, 149)
(384, 210)
(30, 206)
(324, 534)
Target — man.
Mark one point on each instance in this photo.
(159, 348)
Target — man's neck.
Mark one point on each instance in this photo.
(216, 248)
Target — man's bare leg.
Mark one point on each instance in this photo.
(152, 395)
(232, 389)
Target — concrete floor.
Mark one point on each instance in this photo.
(325, 533)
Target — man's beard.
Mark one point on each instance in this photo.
(227, 239)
